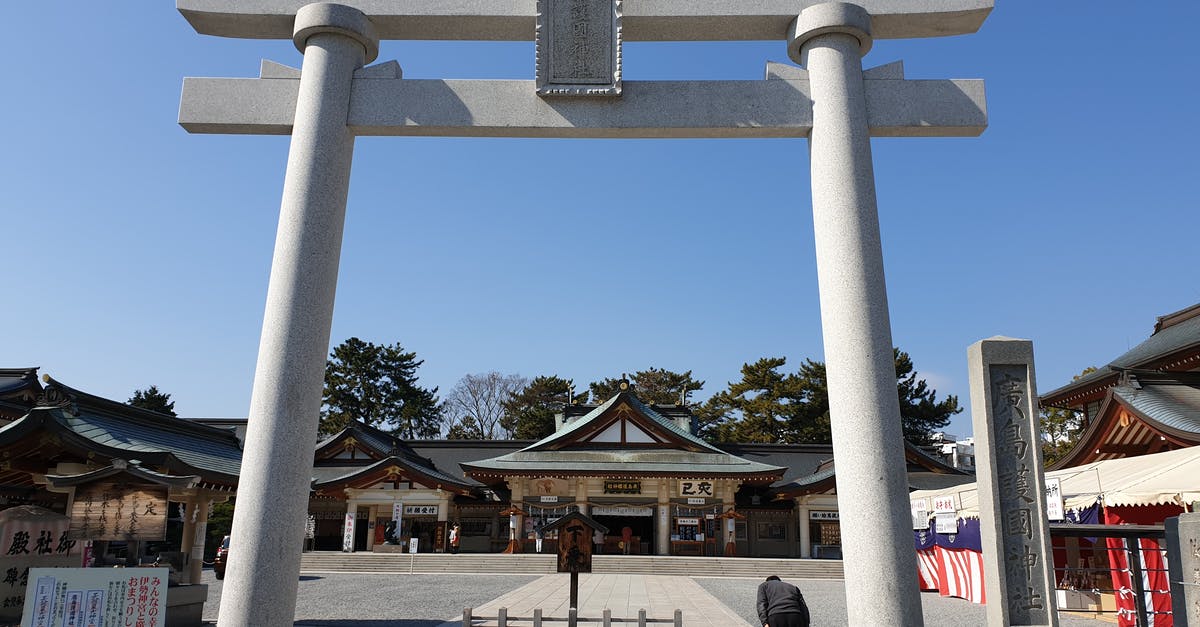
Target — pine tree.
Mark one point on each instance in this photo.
(771, 406)
(154, 400)
(657, 386)
(529, 414)
(378, 386)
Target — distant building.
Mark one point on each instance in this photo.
(953, 452)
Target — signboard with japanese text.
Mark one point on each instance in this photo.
(575, 547)
(117, 511)
(1054, 499)
(348, 533)
(944, 505)
(420, 510)
(920, 513)
(692, 500)
(688, 487)
(622, 486)
(945, 523)
(90, 597)
(31, 537)
(397, 511)
(822, 515)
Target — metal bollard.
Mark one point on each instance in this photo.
(678, 618)
(466, 617)
(642, 617)
(537, 617)
(607, 620)
(502, 620)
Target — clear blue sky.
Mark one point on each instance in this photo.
(138, 254)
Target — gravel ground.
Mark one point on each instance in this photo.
(346, 600)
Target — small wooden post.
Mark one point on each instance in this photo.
(678, 618)
(537, 617)
(572, 617)
(502, 619)
(607, 620)
(642, 617)
(574, 590)
(467, 617)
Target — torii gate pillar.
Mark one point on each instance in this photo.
(868, 443)
(285, 404)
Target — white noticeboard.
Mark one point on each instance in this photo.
(83, 597)
(1054, 499)
(946, 523)
(412, 544)
(920, 513)
(944, 505)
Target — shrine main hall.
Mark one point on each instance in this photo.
(637, 468)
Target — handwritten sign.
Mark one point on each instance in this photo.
(123, 512)
(1054, 499)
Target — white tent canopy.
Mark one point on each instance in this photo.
(1171, 477)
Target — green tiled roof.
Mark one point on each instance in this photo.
(130, 433)
(566, 432)
(1175, 406)
(560, 453)
(334, 474)
(1174, 338)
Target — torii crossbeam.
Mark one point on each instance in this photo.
(333, 98)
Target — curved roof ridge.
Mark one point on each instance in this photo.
(126, 411)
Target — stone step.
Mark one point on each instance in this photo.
(336, 561)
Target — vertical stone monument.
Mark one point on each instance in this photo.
(1018, 565)
(833, 103)
(1183, 566)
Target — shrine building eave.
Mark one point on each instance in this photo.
(1139, 417)
(1174, 345)
(392, 468)
(96, 431)
(120, 468)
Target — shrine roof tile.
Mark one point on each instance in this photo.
(1175, 406)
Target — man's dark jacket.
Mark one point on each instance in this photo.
(778, 597)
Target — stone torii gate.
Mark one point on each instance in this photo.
(579, 92)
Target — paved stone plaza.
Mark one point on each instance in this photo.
(351, 600)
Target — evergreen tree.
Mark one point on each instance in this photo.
(378, 385)
(152, 399)
(1061, 428)
(654, 386)
(529, 414)
(770, 406)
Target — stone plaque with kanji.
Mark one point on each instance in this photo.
(579, 47)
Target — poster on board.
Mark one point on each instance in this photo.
(66, 597)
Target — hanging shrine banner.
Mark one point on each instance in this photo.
(119, 511)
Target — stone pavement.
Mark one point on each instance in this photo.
(659, 595)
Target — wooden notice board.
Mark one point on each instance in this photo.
(119, 511)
